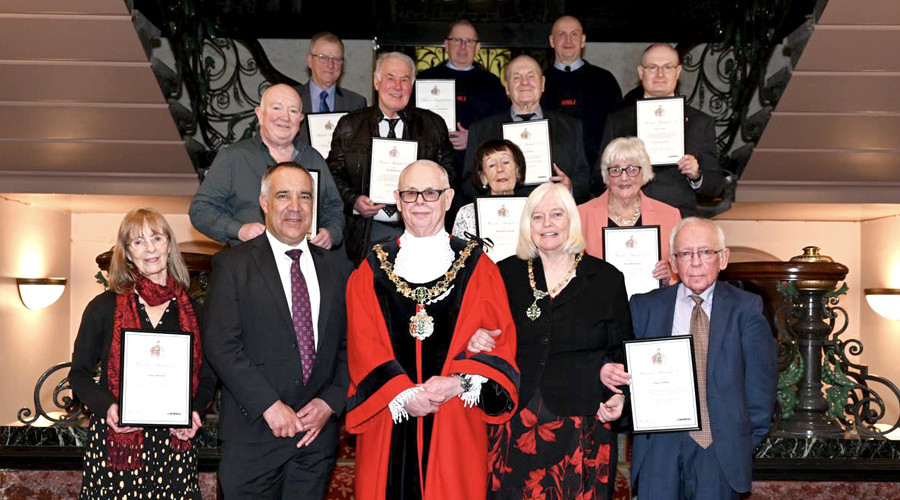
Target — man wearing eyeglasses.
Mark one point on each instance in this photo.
(420, 402)
(350, 157)
(698, 171)
(736, 359)
(578, 88)
(478, 92)
(321, 93)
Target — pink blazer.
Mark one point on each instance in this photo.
(595, 216)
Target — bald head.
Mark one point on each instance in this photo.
(280, 112)
(421, 179)
(659, 70)
(567, 39)
(524, 84)
(419, 166)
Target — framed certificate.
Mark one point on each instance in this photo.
(314, 226)
(438, 96)
(660, 124)
(634, 251)
(533, 138)
(155, 379)
(321, 128)
(664, 395)
(497, 218)
(389, 158)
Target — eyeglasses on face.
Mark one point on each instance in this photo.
(140, 243)
(631, 170)
(463, 41)
(324, 58)
(705, 254)
(667, 69)
(411, 195)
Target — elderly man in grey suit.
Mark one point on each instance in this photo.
(321, 93)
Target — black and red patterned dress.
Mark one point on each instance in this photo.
(555, 447)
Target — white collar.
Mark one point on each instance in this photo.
(279, 247)
(423, 259)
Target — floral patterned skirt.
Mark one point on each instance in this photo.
(537, 455)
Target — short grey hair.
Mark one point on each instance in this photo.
(265, 182)
(687, 221)
(626, 148)
(525, 248)
(399, 56)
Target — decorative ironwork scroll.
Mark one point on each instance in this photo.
(70, 405)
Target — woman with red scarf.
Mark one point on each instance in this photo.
(148, 284)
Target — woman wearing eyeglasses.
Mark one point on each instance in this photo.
(625, 168)
(148, 284)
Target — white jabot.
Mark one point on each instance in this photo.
(421, 260)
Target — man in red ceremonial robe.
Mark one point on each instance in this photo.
(418, 399)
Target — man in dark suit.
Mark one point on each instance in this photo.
(737, 388)
(524, 87)
(276, 335)
(350, 158)
(698, 171)
(321, 93)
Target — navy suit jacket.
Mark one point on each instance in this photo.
(344, 100)
(741, 374)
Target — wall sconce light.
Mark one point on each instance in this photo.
(884, 301)
(37, 293)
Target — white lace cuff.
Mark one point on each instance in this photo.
(398, 412)
(470, 398)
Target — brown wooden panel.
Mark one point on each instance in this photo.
(51, 81)
(822, 166)
(94, 157)
(805, 131)
(105, 7)
(852, 49)
(872, 12)
(87, 122)
(829, 92)
(74, 38)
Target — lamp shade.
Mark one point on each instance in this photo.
(37, 293)
(884, 301)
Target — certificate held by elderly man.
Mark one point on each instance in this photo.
(664, 395)
(155, 379)
(389, 158)
(497, 218)
(634, 251)
(439, 97)
(660, 124)
(321, 128)
(533, 138)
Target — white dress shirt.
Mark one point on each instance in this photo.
(684, 306)
(307, 267)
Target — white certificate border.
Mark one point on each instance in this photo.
(688, 342)
(316, 117)
(637, 113)
(123, 372)
(638, 230)
(451, 127)
(372, 165)
(512, 126)
(317, 190)
(489, 200)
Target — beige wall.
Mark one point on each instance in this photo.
(35, 245)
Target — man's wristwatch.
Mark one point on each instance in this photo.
(465, 381)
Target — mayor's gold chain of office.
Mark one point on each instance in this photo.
(421, 324)
(534, 311)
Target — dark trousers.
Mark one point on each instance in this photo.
(279, 470)
(678, 469)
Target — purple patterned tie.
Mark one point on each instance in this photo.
(301, 313)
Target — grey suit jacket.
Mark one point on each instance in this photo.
(344, 100)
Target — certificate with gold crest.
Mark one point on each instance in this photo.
(634, 251)
(321, 129)
(155, 379)
(660, 124)
(533, 138)
(389, 158)
(664, 394)
(497, 218)
(439, 97)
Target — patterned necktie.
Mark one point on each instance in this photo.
(700, 332)
(301, 313)
(323, 105)
(392, 123)
(526, 117)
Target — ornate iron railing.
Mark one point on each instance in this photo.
(63, 398)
